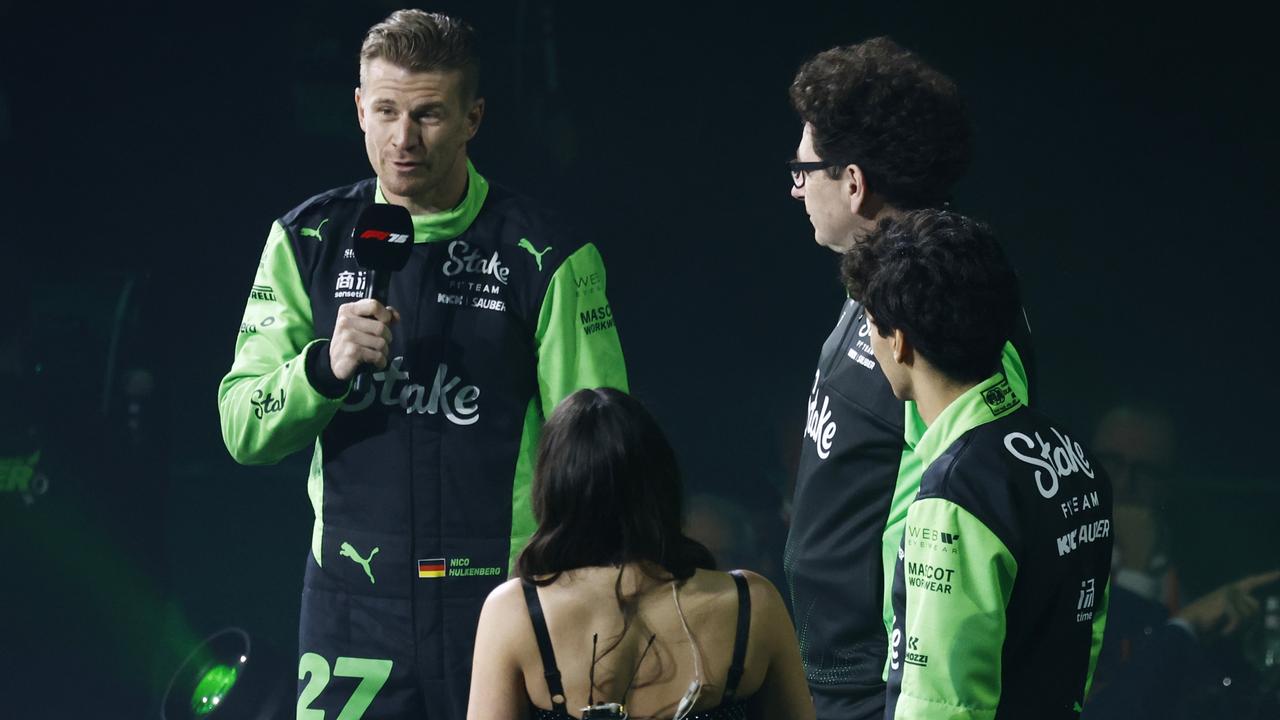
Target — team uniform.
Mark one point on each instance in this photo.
(1001, 583)
(420, 482)
(857, 476)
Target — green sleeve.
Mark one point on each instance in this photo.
(577, 342)
(267, 406)
(1098, 628)
(910, 471)
(954, 629)
(577, 348)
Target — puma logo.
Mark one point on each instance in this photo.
(524, 243)
(349, 552)
(315, 231)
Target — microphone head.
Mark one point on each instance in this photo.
(383, 237)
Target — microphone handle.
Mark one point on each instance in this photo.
(379, 286)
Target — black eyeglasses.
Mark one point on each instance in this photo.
(800, 169)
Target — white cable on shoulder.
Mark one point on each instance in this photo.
(695, 688)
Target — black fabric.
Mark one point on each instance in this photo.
(740, 637)
(549, 668)
(320, 372)
(844, 486)
(335, 626)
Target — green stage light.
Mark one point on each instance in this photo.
(212, 688)
(227, 677)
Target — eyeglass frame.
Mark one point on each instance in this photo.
(800, 169)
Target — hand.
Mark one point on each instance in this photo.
(361, 336)
(1225, 610)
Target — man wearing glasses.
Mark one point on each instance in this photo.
(883, 133)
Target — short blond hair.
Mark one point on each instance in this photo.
(422, 42)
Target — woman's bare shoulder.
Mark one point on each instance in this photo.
(760, 586)
(767, 607)
(506, 599)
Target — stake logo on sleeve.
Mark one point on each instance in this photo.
(819, 428)
(264, 403)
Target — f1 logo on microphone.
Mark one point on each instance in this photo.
(397, 238)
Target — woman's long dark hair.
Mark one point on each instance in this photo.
(606, 491)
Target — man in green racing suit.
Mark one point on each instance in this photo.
(420, 480)
(1000, 585)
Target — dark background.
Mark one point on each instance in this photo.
(1126, 158)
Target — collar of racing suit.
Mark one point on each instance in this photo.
(973, 408)
(451, 223)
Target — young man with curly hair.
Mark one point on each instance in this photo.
(883, 133)
(1001, 576)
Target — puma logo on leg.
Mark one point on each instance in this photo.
(349, 552)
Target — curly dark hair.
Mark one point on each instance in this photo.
(943, 280)
(880, 107)
(423, 42)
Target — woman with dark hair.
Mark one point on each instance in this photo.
(615, 611)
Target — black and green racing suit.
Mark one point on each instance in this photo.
(1001, 583)
(420, 483)
(857, 476)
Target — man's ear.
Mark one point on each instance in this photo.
(474, 116)
(360, 110)
(856, 185)
(862, 202)
(903, 352)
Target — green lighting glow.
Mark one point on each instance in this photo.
(212, 688)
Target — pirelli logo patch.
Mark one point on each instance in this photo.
(262, 292)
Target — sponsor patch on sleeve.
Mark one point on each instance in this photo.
(263, 292)
(596, 319)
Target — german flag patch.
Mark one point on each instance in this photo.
(431, 568)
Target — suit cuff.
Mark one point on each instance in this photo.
(320, 372)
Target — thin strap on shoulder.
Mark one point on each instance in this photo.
(740, 638)
(550, 670)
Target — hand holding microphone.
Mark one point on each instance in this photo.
(361, 337)
(383, 240)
